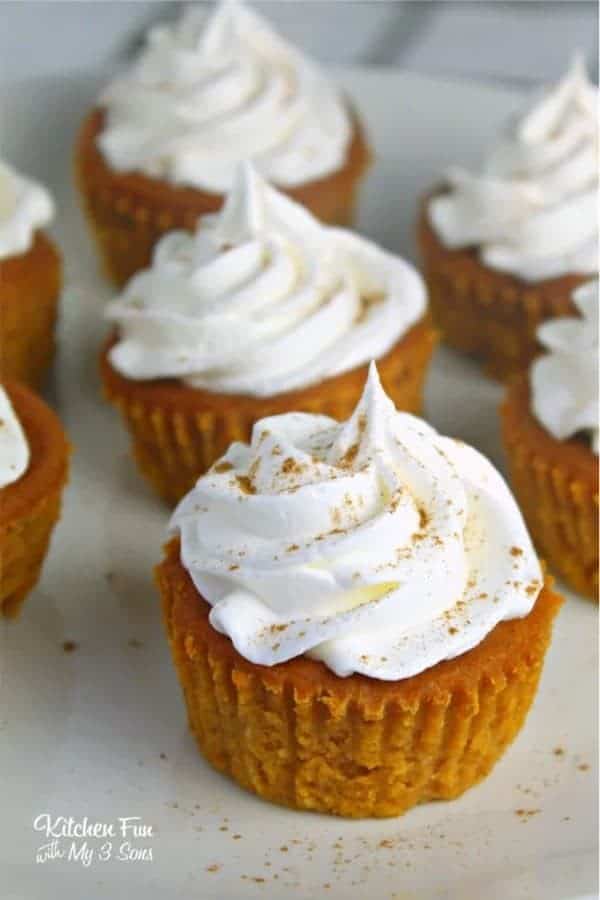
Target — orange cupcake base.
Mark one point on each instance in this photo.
(129, 212)
(484, 312)
(178, 432)
(556, 484)
(30, 285)
(298, 735)
(30, 507)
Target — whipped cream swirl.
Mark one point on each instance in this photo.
(14, 449)
(564, 381)
(219, 87)
(262, 299)
(374, 545)
(533, 210)
(25, 206)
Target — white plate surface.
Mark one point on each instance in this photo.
(101, 732)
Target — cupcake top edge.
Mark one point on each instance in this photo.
(564, 379)
(217, 86)
(375, 545)
(14, 448)
(262, 299)
(532, 209)
(25, 206)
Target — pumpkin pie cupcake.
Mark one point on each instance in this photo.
(503, 250)
(30, 279)
(261, 310)
(550, 425)
(355, 610)
(216, 87)
(34, 457)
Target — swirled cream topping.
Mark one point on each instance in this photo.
(564, 381)
(374, 545)
(14, 449)
(219, 87)
(25, 206)
(262, 299)
(533, 210)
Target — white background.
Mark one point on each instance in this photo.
(513, 42)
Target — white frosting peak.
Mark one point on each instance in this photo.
(219, 32)
(533, 209)
(564, 381)
(14, 449)
(573, 96)
(25, 206)
(374, 545)
(262, 299)
(217, 87)
(243, 215)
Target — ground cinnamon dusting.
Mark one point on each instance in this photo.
(69, 646)
(223, 467)
(245, 484)
(525, 814)
(291, 466)
(348, 457)
(367, 301)
(516, 551)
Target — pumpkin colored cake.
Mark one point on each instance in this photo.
(34, 458)
(30, 279)
(261, 311)
(550, 431)
(502, 251)
(342, 643)
(160, 149)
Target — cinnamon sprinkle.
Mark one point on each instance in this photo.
(245, 484)
(291, 466)
(348, 457)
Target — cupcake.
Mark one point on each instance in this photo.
(30, 279)
(355, 611)
(503, 250)
(260, 311)
(34, 457)
(217, 87)
(550, 428)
